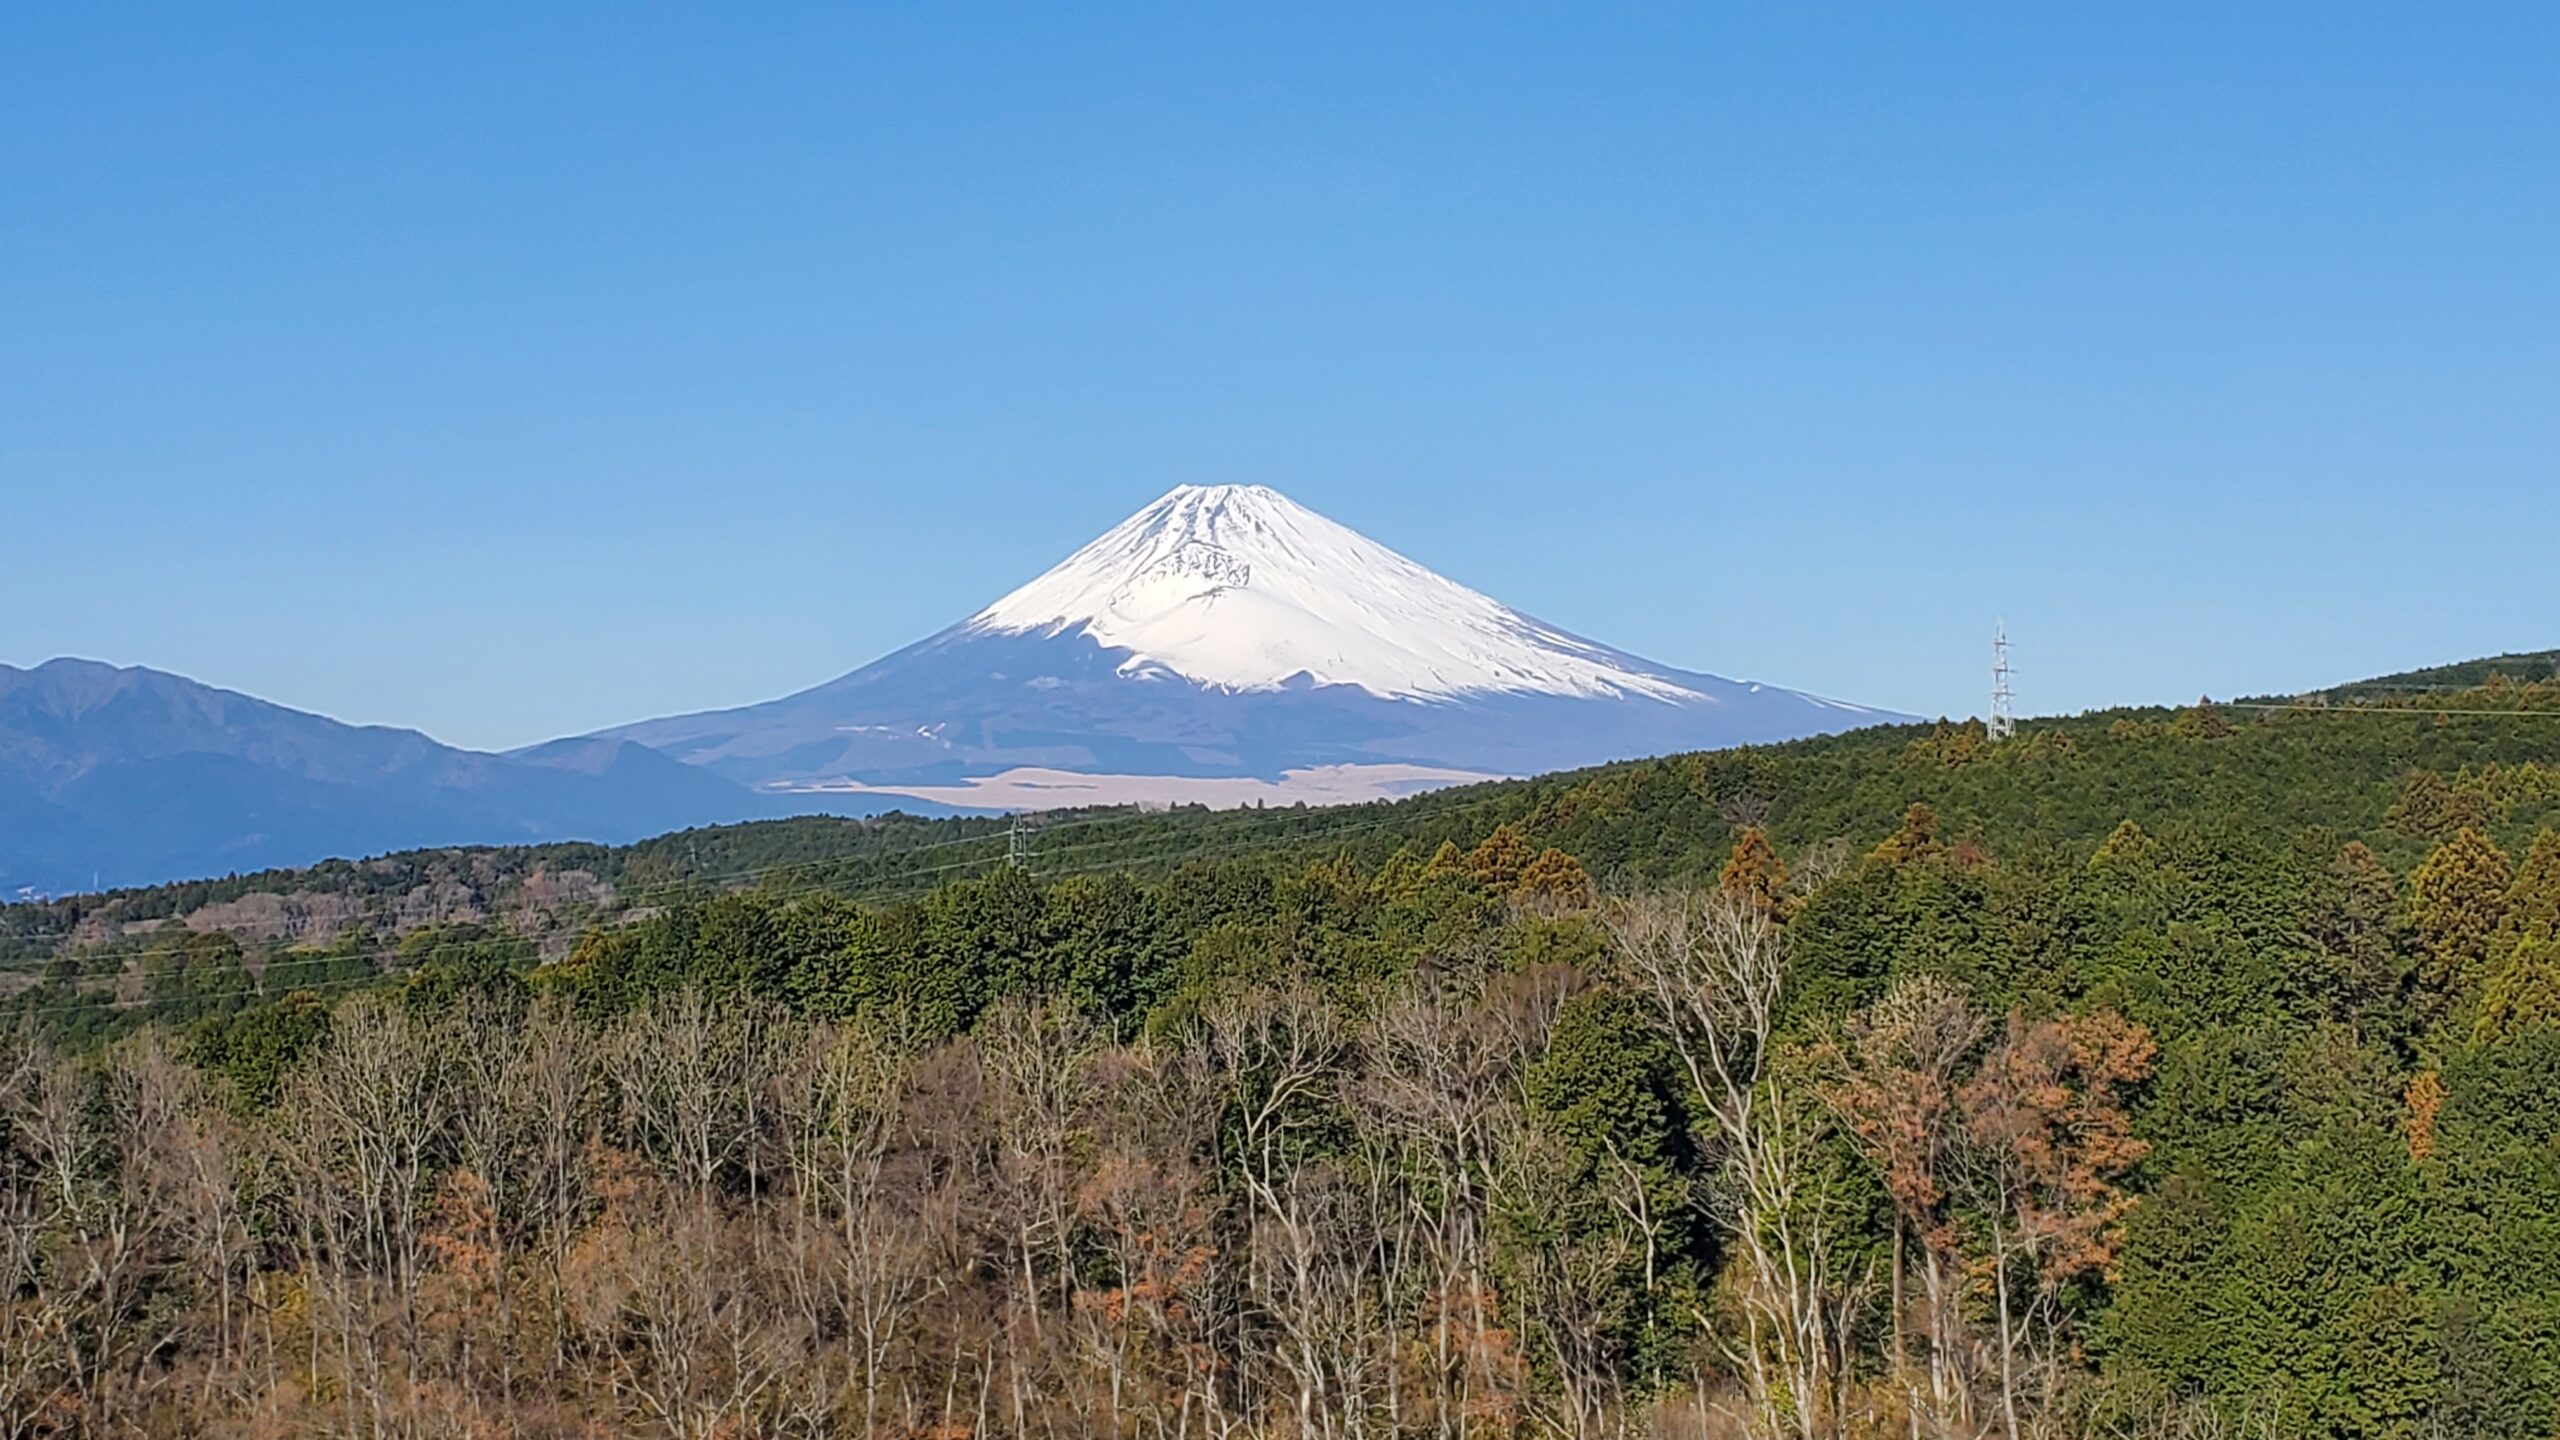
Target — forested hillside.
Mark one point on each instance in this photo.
(2534, 666)
(2187, 1072)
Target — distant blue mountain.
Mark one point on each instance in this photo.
(123, 776)
(970, 703)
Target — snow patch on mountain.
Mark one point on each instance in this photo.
(1240, 588)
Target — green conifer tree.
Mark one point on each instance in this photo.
(2456, 901)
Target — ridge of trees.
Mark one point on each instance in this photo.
(2338, 765)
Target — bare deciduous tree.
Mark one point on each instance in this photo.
(1384, 1207)
(1713, 967)
(691, 1075)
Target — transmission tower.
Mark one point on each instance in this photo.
(2003, 722)
(1017, 843)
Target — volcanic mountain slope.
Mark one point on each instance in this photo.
(1226, 644)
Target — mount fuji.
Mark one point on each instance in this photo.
(1228, 645)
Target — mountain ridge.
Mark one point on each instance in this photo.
(2066, 778)
(1223, 645)
(125, 774)
(1224, 633)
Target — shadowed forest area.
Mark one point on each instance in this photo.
(2187, 1073)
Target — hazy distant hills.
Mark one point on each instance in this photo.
(124, 775)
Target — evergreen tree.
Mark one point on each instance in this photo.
(1499, 862)
(1916, 839)
(2522, 990)
(1754, 874)
(1555, 880)
(2533, 904)
(2456, 901)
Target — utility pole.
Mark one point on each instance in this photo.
(2003, 722)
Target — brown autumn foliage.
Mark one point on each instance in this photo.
(1754, 874)
(1292, 1215)
(2049, 1103)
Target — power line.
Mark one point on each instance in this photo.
(2306, 707)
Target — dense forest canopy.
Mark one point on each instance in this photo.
(2532, 666)
(2152, 1072)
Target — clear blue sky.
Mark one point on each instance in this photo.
(512, 370)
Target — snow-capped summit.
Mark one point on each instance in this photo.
(1240, 587)
(1226, 644)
